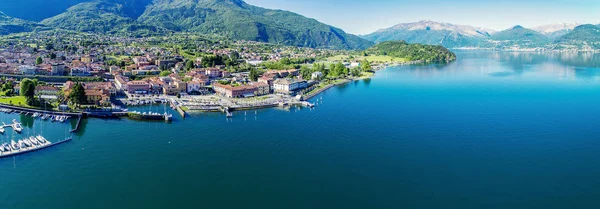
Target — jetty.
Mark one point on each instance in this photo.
(16, 126)
(150, 116)
(7, 151)
(77, 125)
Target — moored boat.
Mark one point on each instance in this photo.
(27, 142)
(14, 145)
(22, 144)
(41, 138)
(33, 141)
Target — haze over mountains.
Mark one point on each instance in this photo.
(556, 36)
(238, 20)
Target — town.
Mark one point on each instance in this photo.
(77, 72)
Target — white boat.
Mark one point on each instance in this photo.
(41, 138)
(33, 140)
(22, 144)
(27, 142)
(14, 145)
(1, 130)
(17, 126)
(36, 139)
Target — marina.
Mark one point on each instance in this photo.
(16, 126)
(46, 115)
(27, 145)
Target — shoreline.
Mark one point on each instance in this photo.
(184, 110)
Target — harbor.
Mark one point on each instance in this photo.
(21, 136)
(43, 115)
(27, 145)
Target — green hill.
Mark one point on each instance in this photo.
(518, 36)
(231, 18)
(413, 52)
(99, 16)
(10, 25)
(239, 20)
(583, 37)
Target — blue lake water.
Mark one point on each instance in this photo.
(491, 130)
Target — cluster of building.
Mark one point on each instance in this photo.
(132, 69)
(287, 82)
(193, 82)
(96, 92)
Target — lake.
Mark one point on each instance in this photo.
(491, 130)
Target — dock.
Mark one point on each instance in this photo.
(77, 125)
(33, 148)
(16, 126)
(31, 111)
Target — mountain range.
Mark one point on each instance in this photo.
(234, 19)
(429, 32)
(238, 20)
(555, 36)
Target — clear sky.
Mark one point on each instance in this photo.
(366, 16)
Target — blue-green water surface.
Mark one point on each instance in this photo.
(491, 130)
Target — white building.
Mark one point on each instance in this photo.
(316, 75)
(193, 86)
(80, 71)
(27, 69)
(58, 69)
(289, 85)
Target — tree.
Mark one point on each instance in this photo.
(53, 56)
(28, 90)
(356, 72)
(165, 73)
(254, 75)
(365, 65)
(305, 72)
(234, 55)
(189, 65)
(77, 95)
(39, 61)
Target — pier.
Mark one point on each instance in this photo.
(30, 110)
(16, 126)
(77, 125)
(33, 148)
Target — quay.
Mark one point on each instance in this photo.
(33, 148)
(30, 110)
(77, 125)
(16, 126)
(319, 91)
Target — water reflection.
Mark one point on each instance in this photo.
(495, 64)
(26, 121)
(82, 127)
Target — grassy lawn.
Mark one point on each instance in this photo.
(119, 58)
(14, 101)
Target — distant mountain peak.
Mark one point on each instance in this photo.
(517, 27)
(431, 32)
(234, 19)
(556, 30)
